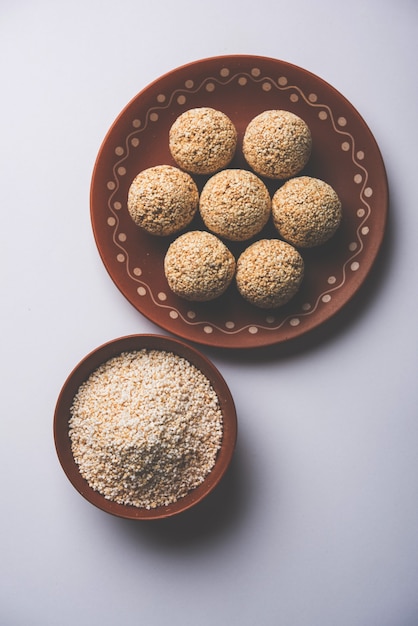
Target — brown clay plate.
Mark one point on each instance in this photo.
(345, 154)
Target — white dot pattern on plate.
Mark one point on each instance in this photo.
(182, 97)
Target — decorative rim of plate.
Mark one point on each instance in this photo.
(206, 80)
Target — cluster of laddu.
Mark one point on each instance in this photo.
(235, 205)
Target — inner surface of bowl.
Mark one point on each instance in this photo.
(81, 373)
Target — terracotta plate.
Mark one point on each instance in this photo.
(345, 155)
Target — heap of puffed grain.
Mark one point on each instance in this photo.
(202, 140)
(145, 428)
(269, 273)
(277, 144)
(198, 266)
(235, 204)
(306, 211)
(163, 200)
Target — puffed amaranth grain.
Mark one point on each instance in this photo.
(269, 273)
(163, 200)
(306, 211)
(235, 204)
(145, 428)
(198, 266)
(202, 140)
(277, 144)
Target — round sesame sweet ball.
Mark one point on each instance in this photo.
(306, 211)
(198, 266)
(277, 144)
(269, 273)
(163, 200)
(202, 140)
(235, 204)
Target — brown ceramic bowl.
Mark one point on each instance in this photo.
(345, 155)
(81, 373)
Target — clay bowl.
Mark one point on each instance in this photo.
(82, 371)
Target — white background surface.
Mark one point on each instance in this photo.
(317, 522)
